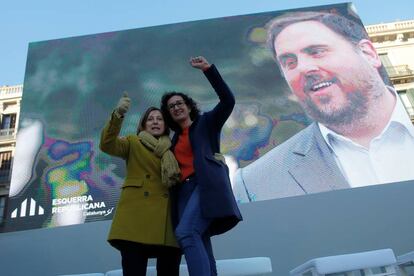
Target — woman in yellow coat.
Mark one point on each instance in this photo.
(141, 227)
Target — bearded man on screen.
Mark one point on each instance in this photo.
(361, 134)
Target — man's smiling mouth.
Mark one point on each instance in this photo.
(321, 85)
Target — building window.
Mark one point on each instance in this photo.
(2, 207)
(407, 98)
(8, 121)
(385, 59)
(386, 62)
(5, 165)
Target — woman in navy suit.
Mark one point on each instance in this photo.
(204, 202)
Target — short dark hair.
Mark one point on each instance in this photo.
(350, 30)
(191, 104)
(144, 118)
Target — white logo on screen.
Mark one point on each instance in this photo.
(24, 211)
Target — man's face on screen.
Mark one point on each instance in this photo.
(330, 76)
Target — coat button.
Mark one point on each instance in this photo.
(146, 193)
(147, 176)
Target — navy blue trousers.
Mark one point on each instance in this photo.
(192, 231)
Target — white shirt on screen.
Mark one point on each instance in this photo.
(388, 158)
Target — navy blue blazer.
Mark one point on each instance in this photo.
(212, 175)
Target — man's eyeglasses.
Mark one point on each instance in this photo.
(176, 104)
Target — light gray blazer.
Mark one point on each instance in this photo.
(303, 164)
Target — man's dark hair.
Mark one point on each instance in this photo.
(144, 118)
(343, 26)
(350, 30)
(191, 104)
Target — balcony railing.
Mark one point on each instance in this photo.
(7, 133)
(410, 111)
(390, 27)
(11, 91)
(399, 71)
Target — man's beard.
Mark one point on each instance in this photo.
(355, 109)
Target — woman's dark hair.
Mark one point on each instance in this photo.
(191, 104)
(144, 118)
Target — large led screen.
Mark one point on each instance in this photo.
(314, 109)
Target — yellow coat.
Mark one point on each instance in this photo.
(143, 212)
